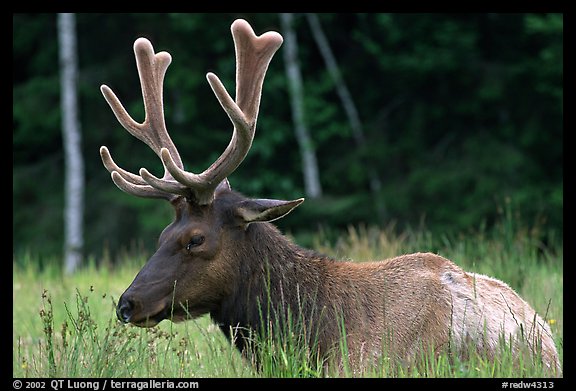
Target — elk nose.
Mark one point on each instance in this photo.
(124, 309)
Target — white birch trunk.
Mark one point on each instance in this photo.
(312, 185)
(74, 165)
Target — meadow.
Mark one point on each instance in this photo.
(65, 326)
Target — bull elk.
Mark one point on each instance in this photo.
(222, 256)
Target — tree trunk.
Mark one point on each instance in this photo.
(347, 103)
(74, 165)
(312, 185)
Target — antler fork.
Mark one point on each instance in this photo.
(253, 55)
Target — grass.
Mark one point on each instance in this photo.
(65, 326)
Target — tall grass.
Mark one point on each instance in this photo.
(67, 327)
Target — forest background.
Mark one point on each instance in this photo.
(461, 117)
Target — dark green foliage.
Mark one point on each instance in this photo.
(460, 113)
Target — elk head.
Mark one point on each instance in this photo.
(188, 275)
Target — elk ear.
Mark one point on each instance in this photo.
(258, 210)
(222, 186)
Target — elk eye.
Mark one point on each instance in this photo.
(195, 241)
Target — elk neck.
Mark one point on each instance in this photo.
(276, 281)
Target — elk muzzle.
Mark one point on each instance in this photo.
(131, 310)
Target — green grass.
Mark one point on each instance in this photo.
(65, 326)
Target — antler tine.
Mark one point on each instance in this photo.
(253, 55)
(151, 70)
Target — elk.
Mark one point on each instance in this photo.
(222, 256)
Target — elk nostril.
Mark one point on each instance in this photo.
(124, 310)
